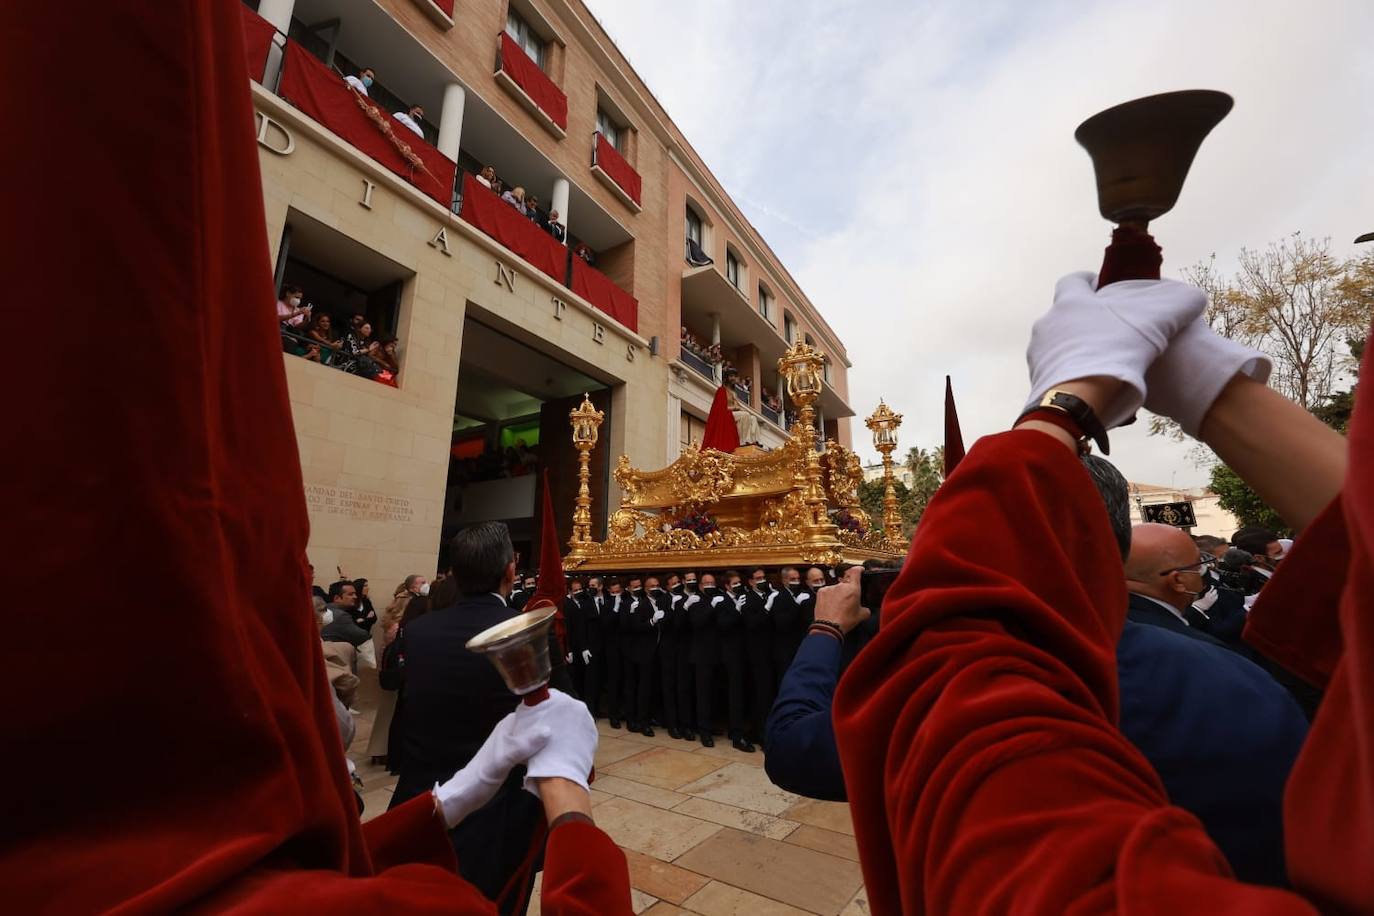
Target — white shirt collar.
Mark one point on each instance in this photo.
(1267, 573)
(1168, 607)
(501, 598)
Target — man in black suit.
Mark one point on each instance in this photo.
(592, 602)
(615, 608)
(791, 615)
(705, 651)
(730, 622)
(758, 651)
(453, 700)
(575, 624)
(674, 668)
(639, 642)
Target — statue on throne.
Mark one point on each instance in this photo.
(746, 423)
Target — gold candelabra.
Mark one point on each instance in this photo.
(801, 367)
(884, 424)
(586, 423)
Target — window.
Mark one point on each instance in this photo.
(732, 269)
(693, 226)
(691, 433)
(609, 129)
(825, 370)
(765, 303)
(526, 37)
(789, 329)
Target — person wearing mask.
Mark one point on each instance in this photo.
(363, 81)
(575, 626)
(758, 651)
(416, 585)
(523, 591)
(556, 228)
(593, 606)
(617, 608)
(1264, 546)
(411, 118)
(730, 626)
(536, 216)
(442, 676)
(701, 605)
(291, 312)
(671, 659)
(639, 641)
(791, 615)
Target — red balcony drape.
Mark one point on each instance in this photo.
(598, 289)
(257, 37)
(499, 220)
(446, 6)
(614, 165)
(534, 81)
(320, 93)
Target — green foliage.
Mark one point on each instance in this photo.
(1236, 497)
(1336, 409)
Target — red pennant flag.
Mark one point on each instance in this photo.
(552, 583)
(721, 432)
(954, 439)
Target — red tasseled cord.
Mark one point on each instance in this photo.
(1132, 255)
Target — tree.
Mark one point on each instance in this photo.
(871, 493)
(1235, 496)
(1296, 302)
(927, 469)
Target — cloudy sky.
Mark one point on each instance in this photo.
(913, 164)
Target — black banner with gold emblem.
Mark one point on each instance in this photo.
(1180, 515)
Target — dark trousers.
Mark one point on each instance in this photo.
(639, 690)
(706, 679)
(685, 687)
(493, 841)
(593, 676)
(785, 646)
(762, 683)
(615, 681)
(667, 679)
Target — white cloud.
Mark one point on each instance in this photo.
(927, 151)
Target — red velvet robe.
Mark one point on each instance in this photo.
(171, 742)
(977, 730)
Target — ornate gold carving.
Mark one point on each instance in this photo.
(771, 508)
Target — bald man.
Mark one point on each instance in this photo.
(1164, 574)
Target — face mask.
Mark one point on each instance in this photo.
(424, 589)
(761, 586)
(678, 589)
(690, 586)
(294, 302)
(367, 81)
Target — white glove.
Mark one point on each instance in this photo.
(586, 656)
(568, 659)
(1199, 363)
(511, 742)
(570, 751)
(1117, 332)
(1208, 599)
(717, 600)
(658, 615)
(804, 596)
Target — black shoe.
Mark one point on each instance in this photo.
(674, 733)
(648, 732)
(615, 723)
(688, 735)
(740, 744)
(707, 740)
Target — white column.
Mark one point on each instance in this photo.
(451, 120)
(558, 200)
(277, 12)
(715, 339)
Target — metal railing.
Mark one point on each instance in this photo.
(703, 368)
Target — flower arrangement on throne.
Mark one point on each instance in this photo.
(697, 522)
(848, 521)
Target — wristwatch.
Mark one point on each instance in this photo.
(1077, 410)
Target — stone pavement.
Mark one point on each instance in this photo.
(704, 830)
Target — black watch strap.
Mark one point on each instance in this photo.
(1078, 410)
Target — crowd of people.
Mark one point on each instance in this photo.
(708, 353)
(527, 205)
(316, 337)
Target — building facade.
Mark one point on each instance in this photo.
(500, 325)
(1211, 517)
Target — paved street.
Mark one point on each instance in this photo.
(704, 830)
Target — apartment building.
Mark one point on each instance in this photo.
(650, 282)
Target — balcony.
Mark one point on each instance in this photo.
(702, 367)
(531, 87)
(611, 169)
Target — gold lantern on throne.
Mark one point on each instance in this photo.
(711, 508)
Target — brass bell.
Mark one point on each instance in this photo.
(519, 648)
(1142, 149)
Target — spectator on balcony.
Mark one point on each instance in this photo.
(585, 253)
(556, 228)
(353, 350)
(516, 198)
(362, 81)
(411, 118)
(385, 355)
(290, 312)
(534, 213)
(486, 177)
(497, 187)
(322, 330)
